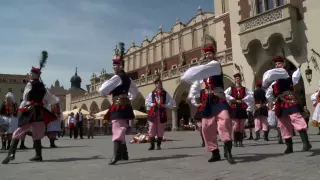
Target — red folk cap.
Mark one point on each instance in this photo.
(157, 80)
(259, 84)
(36, 70)
(278, 59)
(116, 61)
(237, 75)
(209, 48)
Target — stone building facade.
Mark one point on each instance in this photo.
(248, 34)
(60, 92)
(13, 83)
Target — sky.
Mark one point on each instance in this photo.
(81, 33)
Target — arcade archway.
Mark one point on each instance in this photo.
(184, 107)
(94, 108)
(227, 81)
(105, 105)
(184, 111)
(84, 107)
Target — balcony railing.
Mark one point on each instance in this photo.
(282, 20)
(266, 18)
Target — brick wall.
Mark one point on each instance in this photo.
(196, 53)
(227, 32)
(173, 61)
(245, 9)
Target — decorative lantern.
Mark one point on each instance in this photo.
(308, 74)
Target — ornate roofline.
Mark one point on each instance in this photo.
(206, 15)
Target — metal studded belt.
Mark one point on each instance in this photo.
(121, 100)
(217, 92)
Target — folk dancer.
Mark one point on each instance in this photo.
(158, 101)
(287, 108)
(54, 127)
(33, 113)
(198, 101)
(215, 113)
(121, 110)
(261, 112)
(9, 113)
(315, 98)
(239, 98)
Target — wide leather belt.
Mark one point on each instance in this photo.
(121, 100)
(292, 98)
(217, 92)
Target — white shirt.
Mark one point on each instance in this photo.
(71, 120)
(248, 98)
(48, 98)
(170, 103)
(270, 76)
(200, 72)
(115, 81)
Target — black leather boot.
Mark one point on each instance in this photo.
(4, 145)
(257, 136)
(235, 139)
(22, 146)
(289, 144)
(280, 141)
(305, 140)
(241, 137)
(125, 155)
(203, 143)
(52, 143)
(227, 152)
(244, 135)
(215, 156)
(251, 136)
(117, 150)
(38, 149)
(152, 142)
(159, 141)
(266, 135)
(12, 151)
(8, 145)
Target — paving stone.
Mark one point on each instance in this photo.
(182, 158)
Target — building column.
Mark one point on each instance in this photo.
(174, 119)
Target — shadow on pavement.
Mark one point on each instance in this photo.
(75, 159)
(60, 147)
(315, 152)
(255, 157)
(185, 147)
(156, 158)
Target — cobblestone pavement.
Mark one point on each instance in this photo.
(182, 159)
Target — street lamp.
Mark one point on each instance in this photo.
(308, 74)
